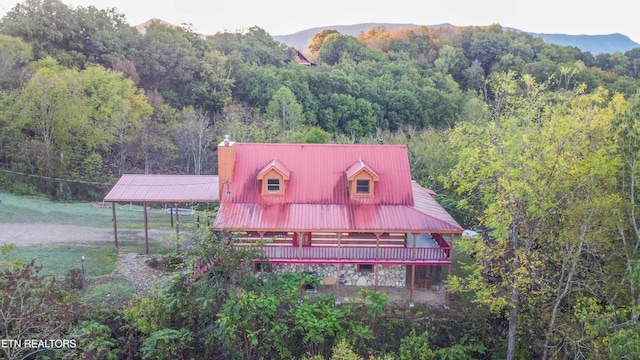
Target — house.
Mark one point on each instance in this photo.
(302, 60)
(349, 213)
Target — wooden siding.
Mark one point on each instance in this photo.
(328, 239)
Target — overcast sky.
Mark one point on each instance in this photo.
(283, 17)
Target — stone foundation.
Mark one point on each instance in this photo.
(388, 275)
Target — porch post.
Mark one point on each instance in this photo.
(415, 242)
(146, 228)
(413, 266)
(171, 212)
(338, 283)
(115, 225)
(413, 278)
(375, 266)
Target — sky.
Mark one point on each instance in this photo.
(284, 17)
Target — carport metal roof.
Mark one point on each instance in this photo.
(173, 189)
(165, 188)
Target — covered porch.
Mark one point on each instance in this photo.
(428, 249)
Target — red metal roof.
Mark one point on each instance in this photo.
(165, 188)
(316, 195)
(425, 203)
(317, 173)
(346, 218)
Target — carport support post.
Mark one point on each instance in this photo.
(171, 212)
(146, 228)
(177, 228)
(115, 225)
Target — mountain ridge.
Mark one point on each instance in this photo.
(595, 44)
(608, 43)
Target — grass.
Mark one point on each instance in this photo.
(18, 209)
(57, 260)
(108, 294)
(100, 258)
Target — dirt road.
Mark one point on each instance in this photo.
(42, 234)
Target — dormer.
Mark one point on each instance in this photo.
(274, 177)
(361, 179)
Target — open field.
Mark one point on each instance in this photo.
(23, 210)
(57, 235)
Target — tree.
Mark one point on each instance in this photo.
(15, 55)
(118, 113)
(627, 134)
(197, 132)
(348, 114)
(52, 107)
(253, 46)
(315, 44)
(527, 170)
(73, 37)
(452, 61)
(256, 85)
(285, 110)
(336, 46)
(167, 61)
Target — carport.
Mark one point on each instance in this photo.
(172, 189)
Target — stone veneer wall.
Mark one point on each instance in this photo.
(388, 275)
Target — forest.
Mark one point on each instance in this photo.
(535, 145)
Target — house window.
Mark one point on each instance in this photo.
(362, 186)
(273, 185)
(365, 268)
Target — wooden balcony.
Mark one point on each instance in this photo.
(357, 255)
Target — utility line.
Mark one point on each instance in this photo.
(56, 179)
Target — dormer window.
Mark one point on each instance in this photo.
(363, 186)
(273, 185)
(273, 177)
(361, 178)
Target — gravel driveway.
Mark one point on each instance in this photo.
(43, 234)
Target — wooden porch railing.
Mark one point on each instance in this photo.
(352, 254)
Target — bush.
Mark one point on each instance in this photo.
(74, 279)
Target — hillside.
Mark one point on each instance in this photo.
(592, 43)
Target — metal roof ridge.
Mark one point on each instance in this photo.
(320, 145)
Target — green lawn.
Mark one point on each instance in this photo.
(18, 209)
(100, 258)
(57, 260)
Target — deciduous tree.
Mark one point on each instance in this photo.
(540, 174)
